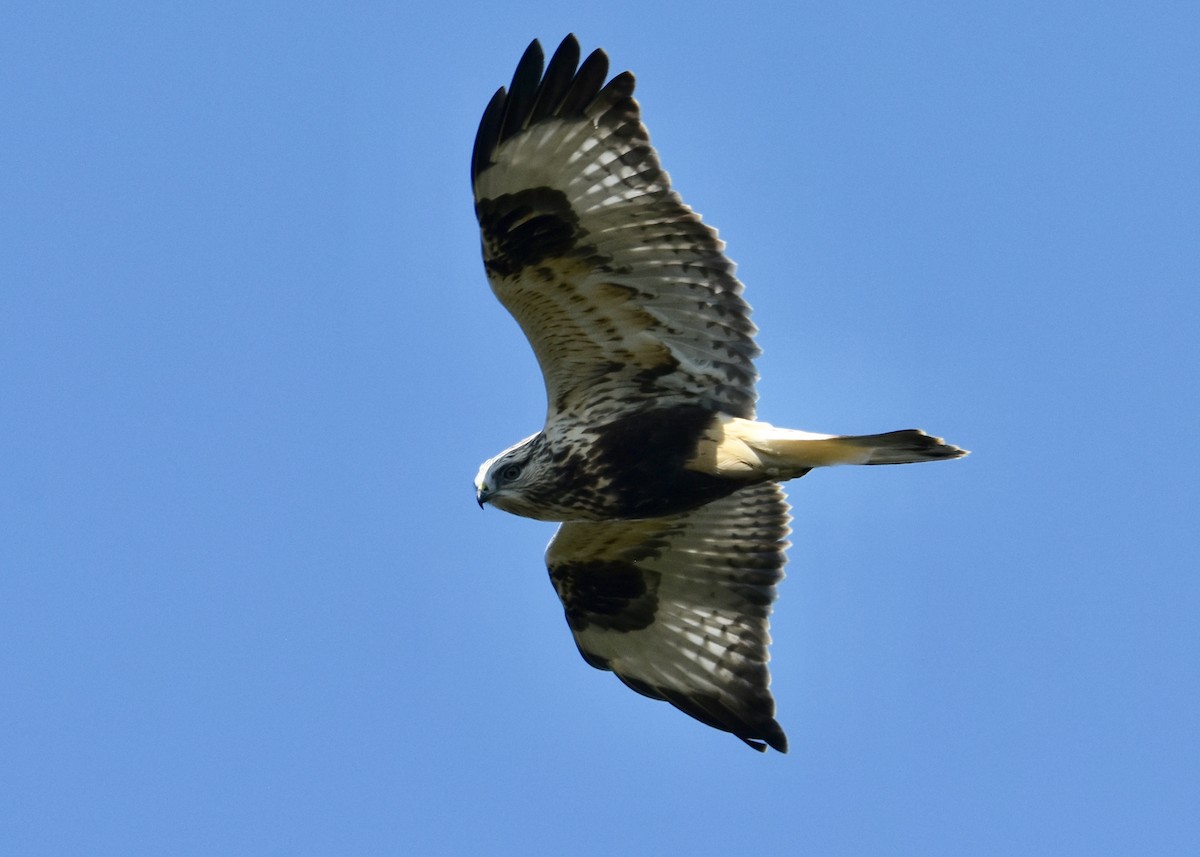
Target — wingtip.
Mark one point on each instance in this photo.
(777, 741)
(949, 450)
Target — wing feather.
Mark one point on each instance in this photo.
(522, 92)
(557, 82)
(678, 607)
(625, 295)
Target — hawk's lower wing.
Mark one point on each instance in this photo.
(678, 606)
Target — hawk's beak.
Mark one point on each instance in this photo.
(481, 495)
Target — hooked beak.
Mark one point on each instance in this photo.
(481, 495)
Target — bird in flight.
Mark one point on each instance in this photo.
(674, 524)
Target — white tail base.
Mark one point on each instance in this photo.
(747, 449)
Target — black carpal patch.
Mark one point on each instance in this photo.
(522, 229)
(613, 595)
(643, 454)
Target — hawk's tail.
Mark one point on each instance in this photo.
(745, 449)
(801, 450)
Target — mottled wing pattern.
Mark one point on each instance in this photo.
(625, 296)
(678, 606)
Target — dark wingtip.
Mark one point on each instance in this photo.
(523, 90)
(487, 138)
(565, 89)
(556, 80)
(774, 738)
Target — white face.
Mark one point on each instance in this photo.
(481, 478)
(500, 478)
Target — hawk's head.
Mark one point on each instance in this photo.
(510, 480)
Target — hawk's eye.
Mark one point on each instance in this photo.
(508, 474)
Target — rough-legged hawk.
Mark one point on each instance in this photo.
(674, 522)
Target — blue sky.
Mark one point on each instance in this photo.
(249, 365)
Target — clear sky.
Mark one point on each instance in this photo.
(249, 364)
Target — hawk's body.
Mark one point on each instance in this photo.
(675, 524)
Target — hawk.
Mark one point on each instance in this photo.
(674, 523)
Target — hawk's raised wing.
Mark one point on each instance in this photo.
(623, 293)
(678, 606)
